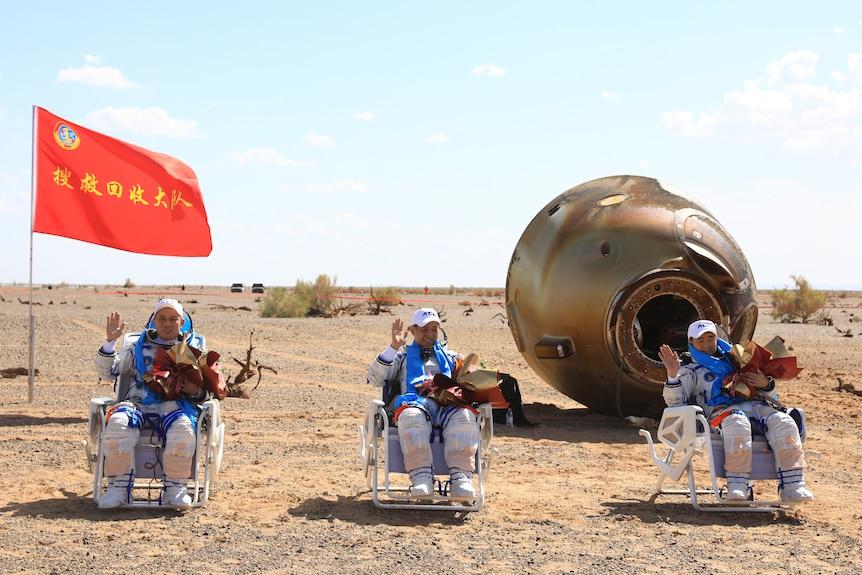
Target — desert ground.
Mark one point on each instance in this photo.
(573, 493)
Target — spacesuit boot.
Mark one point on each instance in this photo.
(792, 486)
(176, 493)
(118, 491)
(422, 482)
(461, 484)
(737, 486)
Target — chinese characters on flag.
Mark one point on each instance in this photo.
(95, 188)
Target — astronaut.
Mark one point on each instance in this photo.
(141, 404)
(701, 382)
(401, 374)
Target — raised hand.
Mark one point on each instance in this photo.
(399, 334)
(114, 326)
(670, 359)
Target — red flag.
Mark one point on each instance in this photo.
(95, 188)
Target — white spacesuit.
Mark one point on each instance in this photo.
(733, 416)
(400, 373)
(174, 420)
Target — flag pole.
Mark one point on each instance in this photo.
(31, 386)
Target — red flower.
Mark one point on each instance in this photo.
(182, 362)
(773, 360)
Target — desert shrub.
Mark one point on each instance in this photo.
(345, 306)
(281, 303)
(383, 300)
(318, 295)
(797, 304)
(129, 283)
(823, 317)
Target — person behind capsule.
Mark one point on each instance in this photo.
(126, 418)
(701, 382)
(415, 415)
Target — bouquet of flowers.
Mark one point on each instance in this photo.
(182, 362)
(468, 385)
(773, 360)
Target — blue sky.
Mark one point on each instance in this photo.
(410, 144)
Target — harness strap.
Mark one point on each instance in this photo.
(398, 411)
(716, 421)
(168, 420)
(407, 404)
(135, 416)
(450, 411)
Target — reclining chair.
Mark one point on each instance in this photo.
(380, 452)
(148, 487)
(686, 433)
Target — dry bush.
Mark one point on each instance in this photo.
(281, 303)
(383, 300)
(800, 304)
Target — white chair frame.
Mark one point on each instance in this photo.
(148, 485)
(380, 451)
(686, 433)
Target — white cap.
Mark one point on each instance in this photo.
(424, 316)
(171, 303)
(701, 327)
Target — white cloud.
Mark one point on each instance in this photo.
(642, 163)
(324, 188)
(838, 30)
(489, 70)
(352, 186)
(10, 186)
(319, 141)
(758, 103)
(787, 109)
(104, 76)
(350, 221)
(149, 121)
(794, 66)
(327, 188)
(437, 138)
(300, 225)
(333, 226)
(610, 96)
(854, 68)
(10, 180)
(263, 156)
(683, 121)
(364, 115)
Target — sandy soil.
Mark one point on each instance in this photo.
(572, 494)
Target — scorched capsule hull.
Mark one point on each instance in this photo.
(610, 270)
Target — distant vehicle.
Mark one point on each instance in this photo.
(236, 288)
(257, 288)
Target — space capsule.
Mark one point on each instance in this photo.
(610, 270)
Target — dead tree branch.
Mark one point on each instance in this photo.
(247, 370)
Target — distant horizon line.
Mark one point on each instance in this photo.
(120, 287)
